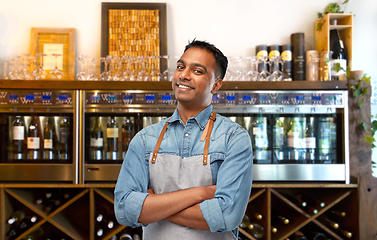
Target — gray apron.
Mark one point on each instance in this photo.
(170, 173)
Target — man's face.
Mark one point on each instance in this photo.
(194, 78)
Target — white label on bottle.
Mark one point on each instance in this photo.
(294, 140)
(18, 133)
(255, 130)
(112, 132)
(324, 143)
(279, 131)
(262, 53)
(96, 142)
(310, 142)
(33, 142)
(48, 143)
(286, 55)
(341, 74)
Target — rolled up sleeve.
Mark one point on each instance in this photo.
(131, 187)
(233, 186)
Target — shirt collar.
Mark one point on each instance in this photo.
(202, 118)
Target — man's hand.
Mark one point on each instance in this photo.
(150, 191)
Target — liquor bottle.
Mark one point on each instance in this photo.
(49, 141)
(273, 51)
(278, 143)
(324, 133)
(112, 139)
(64, 133)
(256, 231)
(261, 51)
(339, 213)
(286, 56)
(278, 218)
(259, 138)
(96, 140)
(16, 217)
(298, 56)
(310, 200)
(128, 132)
(310, 141)
(339, 56)
(324, 220)
(18, 138)
(33, 140)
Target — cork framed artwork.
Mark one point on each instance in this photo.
(134, 30)
(58, 47)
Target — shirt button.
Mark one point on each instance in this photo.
(186, 135)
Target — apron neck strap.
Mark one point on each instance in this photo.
(211, 120)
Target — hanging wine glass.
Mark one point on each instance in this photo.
(276, 74)
(104, 75)
(264, 74)
(111, 68)
(127, 68)
(167, 75)
(252, 75)
(118, 69)
(155, 75)
(133, 74)
(15, 73)
(39, 73)
(55, 73)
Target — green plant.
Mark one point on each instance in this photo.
(330, 8)
(360, 90)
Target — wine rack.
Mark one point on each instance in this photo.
(76, 217)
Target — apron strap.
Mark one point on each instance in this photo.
(211, 120)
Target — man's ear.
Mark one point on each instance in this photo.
(217, 85)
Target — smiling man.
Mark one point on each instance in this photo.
(188, 176)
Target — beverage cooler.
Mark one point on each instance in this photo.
(297, 135)
(37, 136)
(111, 119)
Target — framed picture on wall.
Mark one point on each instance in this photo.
(135, 30)
(57, 46)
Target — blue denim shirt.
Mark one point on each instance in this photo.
(231, 165)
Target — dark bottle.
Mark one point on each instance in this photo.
(339, 55)
(125, 236)
(298, 56)
(96, 140)
(256, 231)
(112, 139)
(138, 123)
(16, 217)
(317, 236)
(34, 138)
(261, 51)
(295, 200)
(49, 141)
(310, 200)
(298, 236)
(345, 233)
(339, 213)
(260, 138)
(27, 222)
(103, 211)
(64, 142)
(35, 234)
(286, 56)
(324, 220)
(18, 138)
(278, 218)
(128, 132)
(278, 142)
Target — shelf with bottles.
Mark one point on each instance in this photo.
(290, 208)
(343, 22)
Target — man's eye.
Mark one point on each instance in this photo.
(180, 67)
(198, 71)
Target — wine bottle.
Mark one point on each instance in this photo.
(35, 234)
(96, 140)
(138, 123)
(274, 229)
(278, 143)
(33, 140)
(294, 199)
(294, 140)
(310, 200)
(339, 56)
(18, 138)
(298, 235)
(298, 56)
(324, 139)
(16, 217)
(259, 138)
(278, 218)
(125, 236)
(310, 141)
(112, 139)
(128, 132)
(345, 233)
(317, 236)
(245, 222)
(49, 141)
(64, 133)
(27, 222)
(324, 220)
(256, 231)
(103, 211)
(339, 213)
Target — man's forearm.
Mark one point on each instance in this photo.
(157, 207)
(190, 217)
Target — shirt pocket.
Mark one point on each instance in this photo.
(217, 158)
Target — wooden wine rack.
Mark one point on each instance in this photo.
(76, 217)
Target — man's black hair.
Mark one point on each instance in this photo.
(220, 58)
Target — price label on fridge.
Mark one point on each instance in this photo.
(316, 100)
(263, 99)
(95, 99)
(230, 99)
(127, 99)
(215, 99)
(13, 98)
(149, 98)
